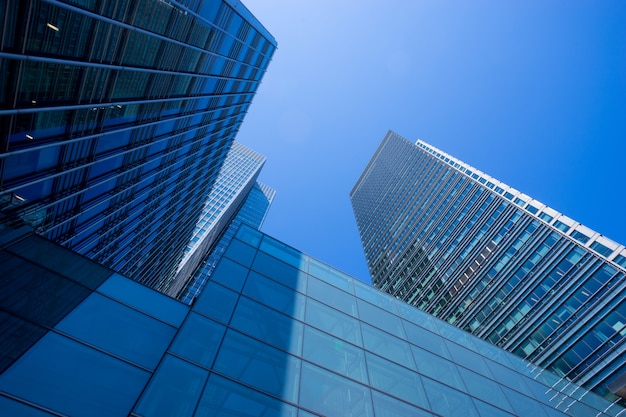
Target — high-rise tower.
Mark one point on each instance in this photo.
(467, 248)
(115, 117)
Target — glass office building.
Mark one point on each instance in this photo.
(252, 213)
(115, 117)
(470, 250)
(235, 181)
(274, 333)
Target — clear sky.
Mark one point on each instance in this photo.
(532, 93)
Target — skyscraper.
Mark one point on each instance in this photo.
(115, 118)
(274, 333)
(468, 249)
(235, 182)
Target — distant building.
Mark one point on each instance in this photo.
(115, 118)
(461, 245)
(274, 333)
(228, 197)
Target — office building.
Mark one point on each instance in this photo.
(234, 182)
(115, 118)
(274, 333)
(463, 246)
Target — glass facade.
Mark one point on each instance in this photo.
(274, 333)
(115, 117)
(234, 183)
(461, 245)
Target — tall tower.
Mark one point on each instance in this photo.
(468, 249)
(115, 118)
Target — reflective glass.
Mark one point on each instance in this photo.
(425, 339)
(468, 358)
(395, 380)
(275, 295)
(508, 377)
(484, 388)
(249, 235)
(222, 397)
(145, 299)
(333, 321)
(241, 252)
(380, 318)
(279, 271)
(388, 346)
(332, 296)
(447, 401)
(437, 368)
(230, 274)
(11, 407)
(416, 316)
(485, 409)
(259, 365)
(334, 354)
(385, 406)
(329, 394)
(374, 296)
(118, 329)
(268, 325)
(523, 406)
(283, 252)
(198, 340)
(216, 302)
(56, 361)
(331, 275)
(174, 390)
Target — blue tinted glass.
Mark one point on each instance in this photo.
(118, 329)
(447, 401)
(331, 275)
(279, 271)
(523, 405)
(145, 299)
(56, 361)
(395, 380)
(385, 406)
(226, 398)
(249, 235)
(388, 346)
(198, 339)
(416, 316)
(216, 302)
(425, 339)
(241, 252)
(561, 226)
(13, 408)
(468, 358)
(437, 368)
(508, 377)
(580, 236)
(230, 274)
(334, 354)
(484, 388)
(380, 318)
(259, 365)
(268, 325)
(333, 322)
(601, 249)
(374, 296)
(283, 252)
(174, 389)
(275, 295)
(485, 409)
(332, 395)
(332, 296)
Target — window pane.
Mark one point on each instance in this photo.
(333, 322)
(386, 345)
(13, 408)
(145, 299)
(226, 398)
(283, 252)
(332, 395)
(380, 318)
(385, 406)
(468, 358)
(56, 361)
(374, 296)
(274, 295)
(198, 339)
(331, 275)
(395, 380)
(437, 368)
(485, 389)
(118, 329)
(217, 302)
(241, 252)
(279, 271)
(334, 354)
(259, 365)
(332, 296)
(425, 339)
(447, 401)
(249, 235)
(230, 274)
(174, 389)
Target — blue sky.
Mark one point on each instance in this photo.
(532, 93)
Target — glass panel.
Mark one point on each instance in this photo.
(10, 407)
(217, 302)
(249, 235)
(259, 365)
(331, 275)
(56, 361)
(417, 316)
(438, 368)
(279, 271)
(380, 318)
(332, 296)
(425, 339)
(374, 296)
(174, 389)
(230, 274)
(485, 389)
(523, 406)
(119, 330)
(386, 345)
(468, 359)
(275, 295)
(485, 409)
(16, 337)
(395, 380)
(268, 325)
(283, 252)
(332, 395)
(241, 252)
(385, 406)
(508, 377)
(145, 299)
(333, 322)
(226, 398)
(198, 340)
(334, 354)
(447, 401)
